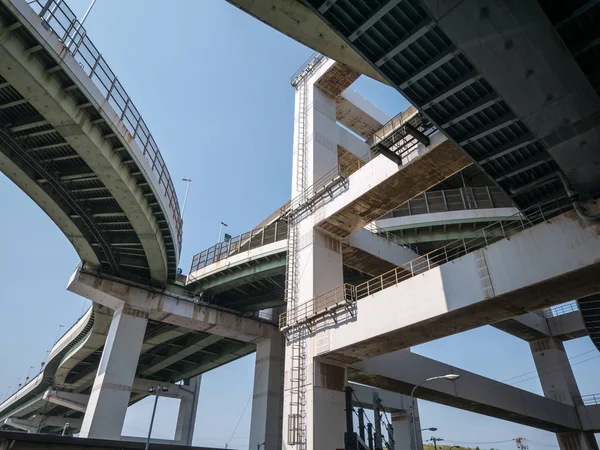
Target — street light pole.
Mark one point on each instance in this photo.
(449, 377)
(187, 189)
(223, 224)
(158, 389)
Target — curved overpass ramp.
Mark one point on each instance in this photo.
(71, 139)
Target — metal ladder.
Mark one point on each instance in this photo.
(302, 169)
(296, 419)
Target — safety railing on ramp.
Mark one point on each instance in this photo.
(274, 232)
(61, 20)
(587, 400)
(340, 297)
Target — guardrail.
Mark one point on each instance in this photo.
(309, 66)
(62, 21)
(559, 310)
(446, 200)
(456, 249)
(587, 400)
(276, 231)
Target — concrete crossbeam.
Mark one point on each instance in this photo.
(401, 371)
(173, 309)
(71, 400)
(381, 186)
(358, 114)
(373, 254)
(528, 326)
(451, 298)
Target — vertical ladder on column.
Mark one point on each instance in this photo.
(296, 419)
(301, 169)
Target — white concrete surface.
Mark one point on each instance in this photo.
(169, 308)
(267, 396)
(471, 391)
(445, 218)
(238, 260)
(186, 417)
(380, 247)
(513, 264)
(106, 409)
(351, 143)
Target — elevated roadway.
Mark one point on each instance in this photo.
(74, 142)
(521, 102)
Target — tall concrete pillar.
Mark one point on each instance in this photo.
(558, 383)
(109, 398)
(314, 398)
(402, 423)
(188, 406)
(267, 400)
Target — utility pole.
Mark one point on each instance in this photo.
(435, 441)
(521, 445)
(377, 419)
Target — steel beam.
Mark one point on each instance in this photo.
(438, 61)
(496, 125)
(382, 11)
(473, 108)
(415, 34)
(509, 148)
(529, 163)
(453, 88)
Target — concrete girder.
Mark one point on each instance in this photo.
(402, 370)
(194, 345)
(294, 20)
(168, 308)
(466, 216)
(224, 359)
(373, 254)
(33, 425)
(381, 186)
(450, 298)
(27, 75)
(71, 400)
(358, 114)
(246, 274)
(529, 327)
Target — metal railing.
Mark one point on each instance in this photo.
(341, 296)
(310, 65)
(461, 247)
(276, 231)
(559, 310)
(453, 200)
(62, 21)
(482, 238)
(587, 400)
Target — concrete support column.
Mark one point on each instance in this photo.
(558, 383)
(325, 418)
(314, 411)
(109, 398)
(188, 406)
(403, 430)
(267, 400)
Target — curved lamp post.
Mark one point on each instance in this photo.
(449, 377)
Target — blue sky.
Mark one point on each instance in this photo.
(213, 86)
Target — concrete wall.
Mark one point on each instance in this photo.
(458, 295)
